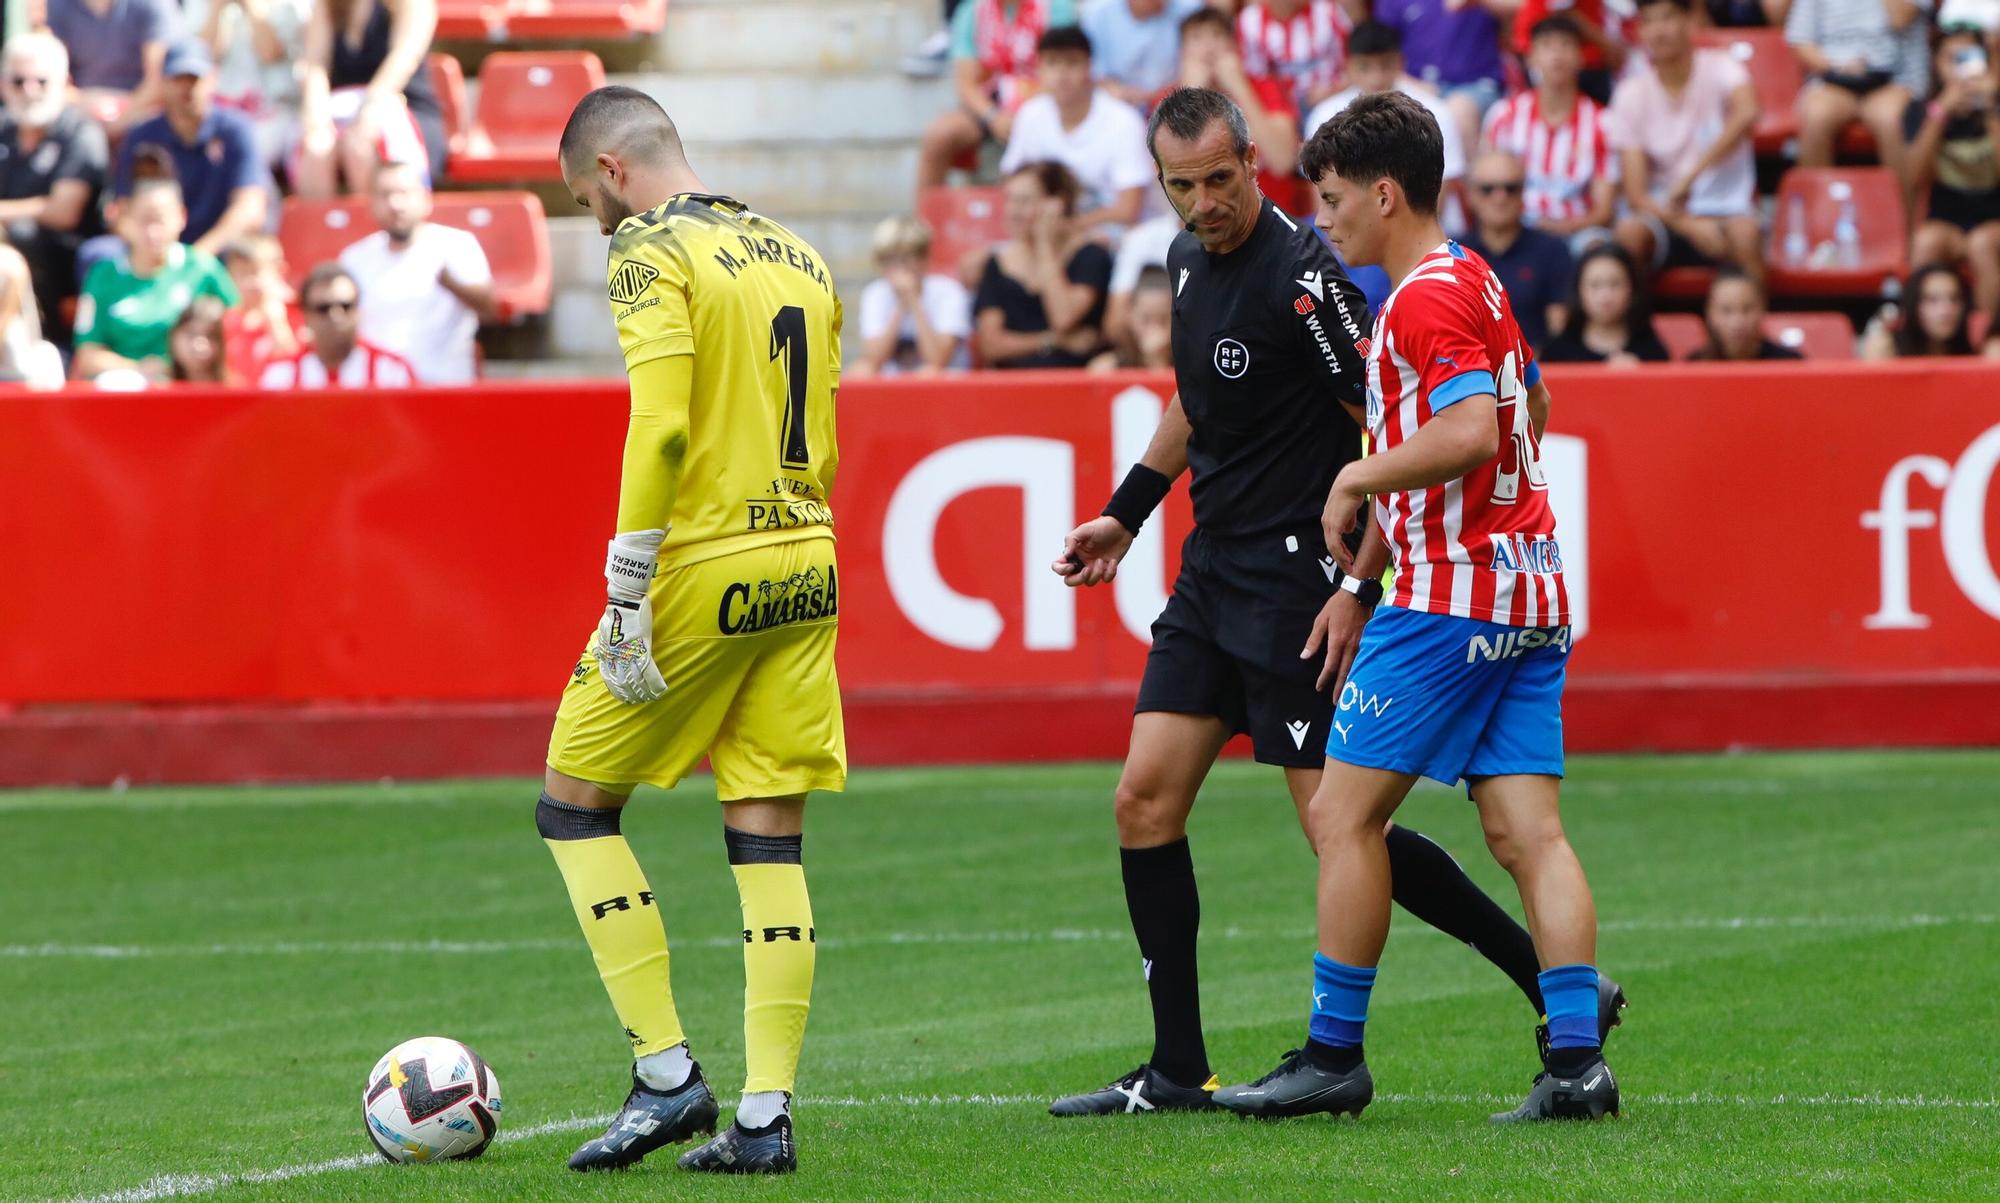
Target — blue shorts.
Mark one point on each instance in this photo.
(1451, 698)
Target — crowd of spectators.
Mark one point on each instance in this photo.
(144, 147)
(1589, 147)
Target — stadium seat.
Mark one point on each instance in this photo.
(1774, 72)
(1682, 334)
(1813, 335)
(510, 226)
(564, 20)
(472, 20)
(448, 81)
(525, 97)
(1882, 228)
(1828, 336)
(962, 220)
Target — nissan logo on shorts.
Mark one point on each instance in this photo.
(1232, 358)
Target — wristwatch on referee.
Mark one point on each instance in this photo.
(1365, 590)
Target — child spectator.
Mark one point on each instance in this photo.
(25, 357)
(993, 70)
(1101, 139)
(264, 324)
(338, 356)
(911, 321)
(365, 94)
(53, 164)
(1609, 321)
(116, 48)
(1955, 158)
(1454, 46)
(1040, 301)
(1302, 43)
(1603, 48)
(1136, 44)
(1734, 316)
(1864, 59)
(1934, 322)
(424, 287)
(1559, 134)
(131, 300)
(195, 344)
(1681, 122)
(1152, 319)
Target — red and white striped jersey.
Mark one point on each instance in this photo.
(1482, 546)
(1308, 52)
(1561, 161)
(366, 366)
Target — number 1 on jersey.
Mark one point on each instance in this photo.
(788, 338)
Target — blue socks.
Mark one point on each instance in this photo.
(1570, 994)
(1340, 1002)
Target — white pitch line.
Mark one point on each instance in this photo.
(180, 1186)
(1725, 923)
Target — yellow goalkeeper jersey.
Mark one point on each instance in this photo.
(754, 305)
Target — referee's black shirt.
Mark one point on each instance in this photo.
(1264, 352)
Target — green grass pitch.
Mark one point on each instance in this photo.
(195, 983)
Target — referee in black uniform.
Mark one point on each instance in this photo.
(1268, 359)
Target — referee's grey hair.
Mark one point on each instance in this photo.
(1188, 112)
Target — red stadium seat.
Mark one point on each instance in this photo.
(1813, 335)
(565, 20)
(524, 100)
(962, 220)
(510, 226)
(1774, 72)
(1883, 231)
(448, 81)
(1682, 334)
(472, 20)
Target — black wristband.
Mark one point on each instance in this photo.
(1135, 499)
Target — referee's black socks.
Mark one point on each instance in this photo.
(1429, 884)
(1166, 912)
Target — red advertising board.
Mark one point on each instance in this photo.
(1773, 555)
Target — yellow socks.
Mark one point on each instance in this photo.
(620, 920)
(778, 945)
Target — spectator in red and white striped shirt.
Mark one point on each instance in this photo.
(1303, 42)
(338, 356)
(1559, 134)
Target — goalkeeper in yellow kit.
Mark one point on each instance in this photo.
(718, 633)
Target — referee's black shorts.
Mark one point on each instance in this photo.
(1228, 642)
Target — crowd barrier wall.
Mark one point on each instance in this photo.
(225, 585)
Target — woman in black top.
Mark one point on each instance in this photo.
(1734, 316)
(1609, 321)
(1040, 301)
(366, 95)
(1955, 156)
(1936, 310)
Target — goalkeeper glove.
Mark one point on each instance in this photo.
(625, 634)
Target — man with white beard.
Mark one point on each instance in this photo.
(53, 163)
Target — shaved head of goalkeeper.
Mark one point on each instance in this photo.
(620, 154)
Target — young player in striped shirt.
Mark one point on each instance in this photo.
(1559, 135)
(1460, 676)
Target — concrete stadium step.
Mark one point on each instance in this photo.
(796, 110)
(809, 36)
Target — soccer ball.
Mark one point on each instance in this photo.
(431, 1099)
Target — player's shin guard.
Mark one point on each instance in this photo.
(778, 945)
(620, 919)
(1431, 885)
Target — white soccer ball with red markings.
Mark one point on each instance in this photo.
(431, 1099)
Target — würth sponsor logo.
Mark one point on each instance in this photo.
(1303, 306)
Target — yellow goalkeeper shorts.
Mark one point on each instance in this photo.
(745, 642)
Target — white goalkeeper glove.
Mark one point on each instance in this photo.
(625, 634)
